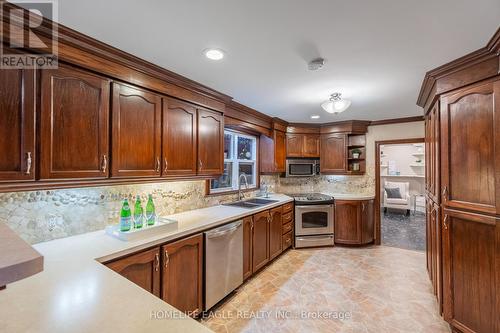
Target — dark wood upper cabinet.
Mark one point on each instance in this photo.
(142, 268)
(302, 145)
(471, 271)
(17, 125)
(275, 232)
(136, 128)
(333, 153)
(470, 148)
(74, 124)
(260, 241)
(247, 246)
(179, 138)
(294, 145)
(311, 146)
(182, 274)
(210, 143)
(273, 152)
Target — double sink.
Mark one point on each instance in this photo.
(251, 203)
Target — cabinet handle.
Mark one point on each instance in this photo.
(445, 222)
(363, 206)
(28, 163)
(200, 164)
(157, 264)
(104, 163)
(445, 194)
(166, 164)
(157, 164)
(167, 258)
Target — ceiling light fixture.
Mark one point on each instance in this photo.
(314, 116)
(214, 54)
(336, 104)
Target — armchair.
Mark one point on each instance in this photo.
(399, 203)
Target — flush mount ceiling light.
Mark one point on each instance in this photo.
(336, 104)
(213, 54)
(314, 116)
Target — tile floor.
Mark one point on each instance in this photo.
(374, 289)
(406, 232)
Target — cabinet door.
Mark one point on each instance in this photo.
(260, 240)
(367, 222)
(279, 151)
(17, 125)
(210, 143)
(428, 236)
(275, 232)
(436, 260)
(433, 151)
(333, 153)
(247, 246)
(311, 146)
(179, 138)
(471, 149)
(294, 145)
(471, 275)
(74, 124)
(142, 268)
(182, 274)
(136, 132)
(347, 222)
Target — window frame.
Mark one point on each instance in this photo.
(236, 163)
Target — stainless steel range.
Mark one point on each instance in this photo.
(314, 219)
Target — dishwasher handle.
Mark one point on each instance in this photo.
(224, 230)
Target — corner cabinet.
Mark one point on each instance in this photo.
(136, 132)
(210, 143)
(17, 125)
(182, 274)
(354, 222)
(273, 152)
(74, 124)
(142, 268)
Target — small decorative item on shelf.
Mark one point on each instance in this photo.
(418, 161)
(356, 153)
(355, 167)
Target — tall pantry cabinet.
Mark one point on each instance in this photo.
(462, 104)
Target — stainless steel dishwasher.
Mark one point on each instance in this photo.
(223, 262)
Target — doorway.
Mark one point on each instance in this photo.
(400, 193)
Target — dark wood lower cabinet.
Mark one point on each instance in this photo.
(275, 232)
(471, 271)
(182, 274)
(260, 240)
(142, 268)
(354, 222)
(247, 246)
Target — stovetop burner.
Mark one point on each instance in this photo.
(312, 198)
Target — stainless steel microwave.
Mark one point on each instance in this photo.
(302, 167)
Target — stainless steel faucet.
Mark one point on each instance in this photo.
(240, 194)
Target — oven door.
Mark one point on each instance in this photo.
(313, 220)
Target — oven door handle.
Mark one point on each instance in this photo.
(313, 207)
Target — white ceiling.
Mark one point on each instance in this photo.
(377, 51)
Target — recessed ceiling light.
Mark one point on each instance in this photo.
(314, 116)
(214, 54)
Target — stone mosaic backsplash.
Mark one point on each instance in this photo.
(39, 216)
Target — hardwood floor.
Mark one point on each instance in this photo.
(376, 289)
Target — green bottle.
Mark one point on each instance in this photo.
(125, 217)
(138, 213)
(150, 211)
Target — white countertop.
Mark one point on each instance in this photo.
(76, 293)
